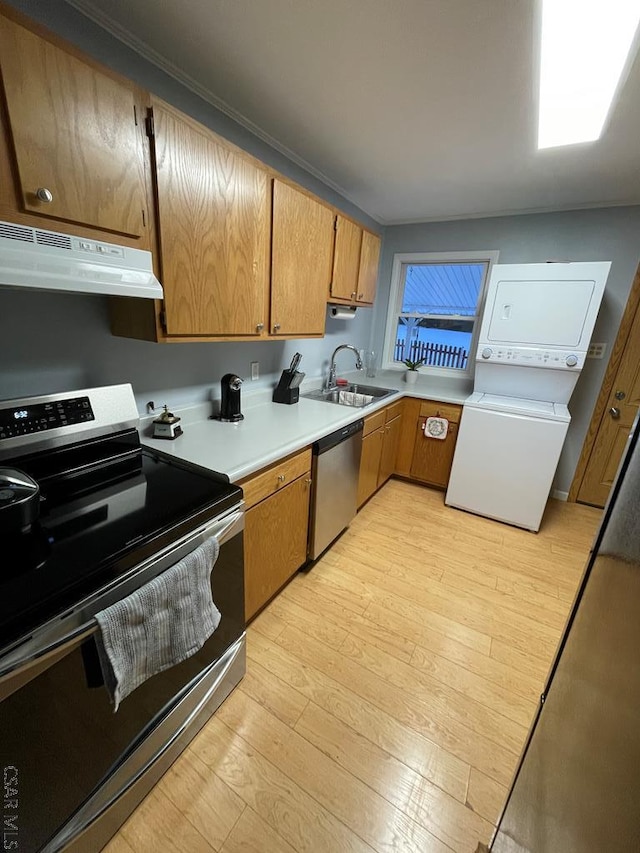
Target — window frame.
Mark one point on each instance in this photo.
(396, 293)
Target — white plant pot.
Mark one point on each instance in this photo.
(411, 377)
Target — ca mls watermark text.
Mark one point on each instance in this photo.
(10, 803)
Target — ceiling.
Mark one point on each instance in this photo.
(414, 110)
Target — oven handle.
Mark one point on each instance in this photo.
(61, 635)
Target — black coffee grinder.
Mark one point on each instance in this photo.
(230, 399)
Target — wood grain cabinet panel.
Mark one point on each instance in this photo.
(346, 259)
(380, 441)
(302, 244)
(275, 542)
(262, 485)
(355, 263)
(432, 457)
(214, 221)
(370, 464)
(76, 137)
(389, 450)
(368, 268)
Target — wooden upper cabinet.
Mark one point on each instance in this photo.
(355, 263)
(368, 269)
(75, 137)
(346, 259)
(213, 223)
(302, 246)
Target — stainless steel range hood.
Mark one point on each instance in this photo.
(48, 260)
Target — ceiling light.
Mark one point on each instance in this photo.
(585, 45)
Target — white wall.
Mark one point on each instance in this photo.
(585, 235)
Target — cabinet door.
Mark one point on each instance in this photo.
(432, 457)
(389, 450)
(370, 464)
(275, 543)
(346, 259)
(78, 148)
(213, 218)
(301, 262)
(368, 271)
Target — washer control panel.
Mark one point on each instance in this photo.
(532, 357)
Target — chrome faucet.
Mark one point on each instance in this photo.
(331, 379)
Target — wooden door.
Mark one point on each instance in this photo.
(615, 424)
(213, 218)
(368, 271)
(75, 135)
(370, 464)
(302, 244)
(275, 543)
(433, 457)
(389, 450)
(346, 260)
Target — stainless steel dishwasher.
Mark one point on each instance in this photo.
(334, 503)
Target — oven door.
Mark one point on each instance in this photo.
(77, 769)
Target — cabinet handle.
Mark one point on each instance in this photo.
(614, 412)
(276, 327)
(281, 478)
(44, 195)
(353, 295)
(360, 295)
(308, 482)
(259, 327)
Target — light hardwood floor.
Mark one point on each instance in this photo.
(388, 692)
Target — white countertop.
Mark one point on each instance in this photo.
(270, 430)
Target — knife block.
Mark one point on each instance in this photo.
(282, 392)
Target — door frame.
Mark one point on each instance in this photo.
(628, 315)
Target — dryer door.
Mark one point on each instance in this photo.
(543, 305)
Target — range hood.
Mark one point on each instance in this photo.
(48, 260)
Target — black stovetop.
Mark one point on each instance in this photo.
(107, 505)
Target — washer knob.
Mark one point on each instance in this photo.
(487, 352)
(571, 360)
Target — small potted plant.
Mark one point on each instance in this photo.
(411, 375)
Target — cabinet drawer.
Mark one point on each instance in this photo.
(260, 486)
(373, 422)
(433, 409)
(393, 411)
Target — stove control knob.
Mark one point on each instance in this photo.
(571, 360)
(487, 352)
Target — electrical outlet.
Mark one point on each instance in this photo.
(596, 350)
(255, 370)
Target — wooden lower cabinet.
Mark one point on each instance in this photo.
(370, 464)
(432, 457)
(389, 450)
(379, 446)
(275, 542)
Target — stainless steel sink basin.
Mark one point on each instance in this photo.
(360, 401)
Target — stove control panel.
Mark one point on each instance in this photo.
(39, 417)
(532, 357)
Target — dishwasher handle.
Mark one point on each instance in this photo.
(343, 434)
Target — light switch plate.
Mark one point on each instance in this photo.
(596, 350)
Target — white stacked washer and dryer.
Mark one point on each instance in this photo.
(535, 333)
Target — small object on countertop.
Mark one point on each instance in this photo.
(230, 385)
(436, 428)
(342, 382)
(287, 390)
(167, 425)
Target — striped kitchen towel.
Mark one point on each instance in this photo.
(157, 626)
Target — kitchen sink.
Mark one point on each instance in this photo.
(357, 396)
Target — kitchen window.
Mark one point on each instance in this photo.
(434, 308)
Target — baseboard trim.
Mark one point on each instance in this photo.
(560, 496)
